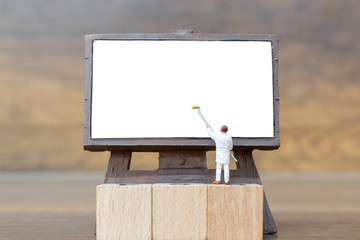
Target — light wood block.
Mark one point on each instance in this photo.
(179, 211)
(123, 211)
(235, 212)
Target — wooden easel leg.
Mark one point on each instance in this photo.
(249, 173)
(119, 162)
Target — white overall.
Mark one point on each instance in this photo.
(224, 144)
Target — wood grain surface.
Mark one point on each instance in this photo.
(235, 212)
(123, 211)
(179, 211)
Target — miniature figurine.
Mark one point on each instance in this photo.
(224, 145)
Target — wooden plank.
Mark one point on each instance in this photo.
(179, 211)
(174, 144)
(123, 211)
(235, 211)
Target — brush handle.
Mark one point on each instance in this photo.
(203, 118)
(233, 157)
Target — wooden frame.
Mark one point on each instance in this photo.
(176, 144)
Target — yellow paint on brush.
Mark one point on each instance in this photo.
(195, 107)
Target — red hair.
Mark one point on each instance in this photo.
(224, 128)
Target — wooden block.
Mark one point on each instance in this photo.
(235, 211)
(123, 211)
(179, 211)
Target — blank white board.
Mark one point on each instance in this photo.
(146, 88)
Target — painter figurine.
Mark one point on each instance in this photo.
(224, 145)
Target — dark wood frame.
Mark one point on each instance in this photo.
(176, 144)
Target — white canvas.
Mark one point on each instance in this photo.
(145, 89)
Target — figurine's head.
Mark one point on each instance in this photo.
(224, 128)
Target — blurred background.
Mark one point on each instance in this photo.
(42, 75)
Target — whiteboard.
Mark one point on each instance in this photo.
(146, 88)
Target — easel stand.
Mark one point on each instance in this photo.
(187, 167)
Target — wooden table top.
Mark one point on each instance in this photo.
(46, 205)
